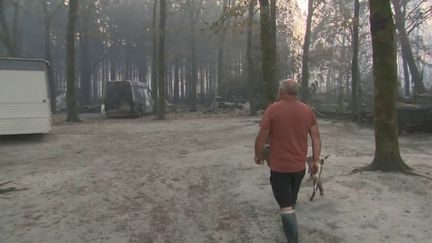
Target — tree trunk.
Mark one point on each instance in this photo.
(220, 52)
(176, 80)
(193, 61)
(406, 76)
(355, 67)
(273, 17)
(250, 63)
(51, 82)
(305, 61)
(161, 61)
(213, 74)
(187, 81)
(85, 69)
(167, 81)
(154, 67)
(128, 63)
(202, 80)
(94, 92)
(209, 77)
(7, 37)
(113, 63)
(340, 93)
(220, 62)
(406, 49)
(142, 70)
(387, 154)
(267, 51)
(15, 40)
(183, 81)
(72, 114)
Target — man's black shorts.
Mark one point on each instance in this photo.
(286, 186)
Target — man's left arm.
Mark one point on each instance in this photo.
(260, 142)
(263, 133)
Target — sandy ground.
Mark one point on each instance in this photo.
(193, 180)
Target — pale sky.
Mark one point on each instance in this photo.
(302, 4)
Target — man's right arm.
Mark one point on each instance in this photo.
(316, 142)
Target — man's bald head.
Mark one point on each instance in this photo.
(288, 86)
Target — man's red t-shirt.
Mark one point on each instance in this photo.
(289, 122)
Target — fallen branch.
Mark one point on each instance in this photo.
(12, 189)
(4, 183)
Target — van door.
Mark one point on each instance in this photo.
(24, 102)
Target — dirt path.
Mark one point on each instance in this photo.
(193, 180)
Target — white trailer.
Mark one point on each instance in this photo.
(24, 97)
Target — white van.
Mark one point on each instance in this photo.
(24, 97)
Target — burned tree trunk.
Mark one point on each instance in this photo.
(194, 67)
(268, 51)
(47, 25)
(161, 61)
(71, 102)
(113, 63)
(154, 71)
(355, 66)
(406, 76)
(9, 36)
(176, 80)
(305, 61)
(249, 57)
(85, 69)
(221, 48)
(407, 53)
(387, 154)
(273, 17)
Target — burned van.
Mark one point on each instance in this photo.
(127, 99)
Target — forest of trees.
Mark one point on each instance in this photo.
(214, 47)
(343, 52)
(362, 65)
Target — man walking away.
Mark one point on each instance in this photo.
(287, 123)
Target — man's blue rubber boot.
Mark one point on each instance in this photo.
(289, 223)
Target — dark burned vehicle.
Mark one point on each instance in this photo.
(416, 117)
(222, 103)
(127, 99)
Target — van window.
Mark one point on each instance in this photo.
(118, 93)
(137, 93)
